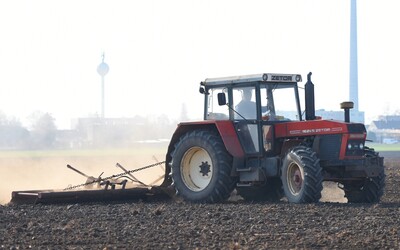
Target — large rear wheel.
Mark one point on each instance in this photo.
(301, 175)
(201, 167)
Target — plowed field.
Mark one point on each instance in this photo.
(329, 224)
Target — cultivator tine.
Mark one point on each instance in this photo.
(155, 158)
(113, 183)
(161, 166)
(134, 179)
(89, 179)
(124, 169)
(159, 179)
(76, 170)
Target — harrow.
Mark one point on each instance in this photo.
(118, 187)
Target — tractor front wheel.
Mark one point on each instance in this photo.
(301, 175)
(369, 190)
(201, 168)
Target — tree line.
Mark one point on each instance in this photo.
(43, 132)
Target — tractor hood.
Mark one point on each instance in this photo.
(318, 127)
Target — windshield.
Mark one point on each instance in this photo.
(280, 102)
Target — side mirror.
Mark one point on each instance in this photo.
(221, 99)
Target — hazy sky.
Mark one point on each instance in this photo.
(159, 51)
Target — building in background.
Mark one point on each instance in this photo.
(385, 130)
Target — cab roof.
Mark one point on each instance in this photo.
(264, 77)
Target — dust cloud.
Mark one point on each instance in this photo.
(332, 193)
(43, 173)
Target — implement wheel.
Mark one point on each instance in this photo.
(201, 167)
(301, 175)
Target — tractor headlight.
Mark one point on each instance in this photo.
(355, 148)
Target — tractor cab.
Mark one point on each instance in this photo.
(254, 103)
(252, 97)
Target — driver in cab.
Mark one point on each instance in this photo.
(246, 107)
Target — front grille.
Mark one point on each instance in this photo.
(329, 147)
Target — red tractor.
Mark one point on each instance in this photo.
(248, 142)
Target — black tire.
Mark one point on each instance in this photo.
(369, 190)
(271, 191)
(301, 175)
(201, 168)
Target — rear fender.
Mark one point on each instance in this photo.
(224, 128)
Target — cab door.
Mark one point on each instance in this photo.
(244, 102)
(248, 134)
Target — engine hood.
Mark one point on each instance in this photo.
(317, 127)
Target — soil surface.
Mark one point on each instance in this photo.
(329, 224)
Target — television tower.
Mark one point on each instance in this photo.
(102, 69)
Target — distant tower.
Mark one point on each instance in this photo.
(353, 56)
(102, 69)
(355, 114)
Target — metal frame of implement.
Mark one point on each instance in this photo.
(112, 188)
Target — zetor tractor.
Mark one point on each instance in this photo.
(248, 142)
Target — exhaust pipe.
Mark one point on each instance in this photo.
(310, 99)
(347, 106)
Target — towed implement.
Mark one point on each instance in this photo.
(118, 187)
(248, 142)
